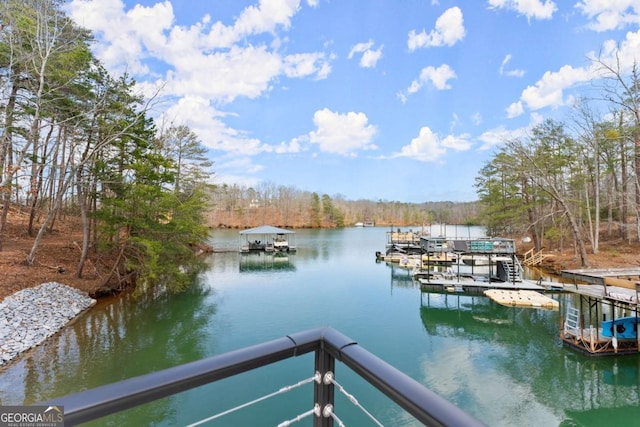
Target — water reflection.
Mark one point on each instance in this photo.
(520, 365)
(259, 261)
(469, 317)
(400, 276)
(602, 416)
(114, 341)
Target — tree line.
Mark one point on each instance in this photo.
(75, 140)
(240, 206)
(569, 183)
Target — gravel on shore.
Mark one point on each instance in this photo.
(32, 315)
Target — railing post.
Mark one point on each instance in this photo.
(323, 393)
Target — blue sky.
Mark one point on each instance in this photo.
(380, 99)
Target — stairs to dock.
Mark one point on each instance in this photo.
(572, 322)
(532, 258)
(512, 270)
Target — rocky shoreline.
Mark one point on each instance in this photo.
(30, 316)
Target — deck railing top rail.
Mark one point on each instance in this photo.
(422, 403)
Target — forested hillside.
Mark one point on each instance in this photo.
(242, 207)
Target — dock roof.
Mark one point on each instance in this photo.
(267, 229)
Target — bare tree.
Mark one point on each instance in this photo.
(622, 89)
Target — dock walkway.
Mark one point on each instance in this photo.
(482, 285)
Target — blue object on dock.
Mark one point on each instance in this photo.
(624, 327)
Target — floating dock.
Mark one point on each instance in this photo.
(471, 285)
(522, 298)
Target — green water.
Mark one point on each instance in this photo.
(506, 366)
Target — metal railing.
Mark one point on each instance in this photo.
(328, 344)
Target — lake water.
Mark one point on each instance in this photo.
(504, 365)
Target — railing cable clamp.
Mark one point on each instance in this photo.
(327, 411)
(328, 378)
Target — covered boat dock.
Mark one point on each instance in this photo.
(267, 238)
(606, 298)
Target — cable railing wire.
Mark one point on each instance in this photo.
(328, 412)
(329, 379)
(315, 411)
(253, 402)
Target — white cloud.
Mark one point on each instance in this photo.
(500, 135)
(610, 14)
(226, 75)
(457, 142)
(624, 54)
(122, 36)
(202, 59)
(515, 109)
(307, 64)
(360, 47)
(201, 65)
(448, 31)
(509, 73)
(425, 147)
(530, 8)
(548, 91)
(265, 18)
(497, 136)
(515, 73)
(476, 118)
(197, 113)
(343, 134)
(428, 147)
(294, 146)
(237, 170)
(370, 57)
(438, 77)
(234, 166)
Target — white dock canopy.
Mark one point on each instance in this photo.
(267, 229)
(267, 238)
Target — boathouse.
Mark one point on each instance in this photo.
(605, 318)
(267, 238)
